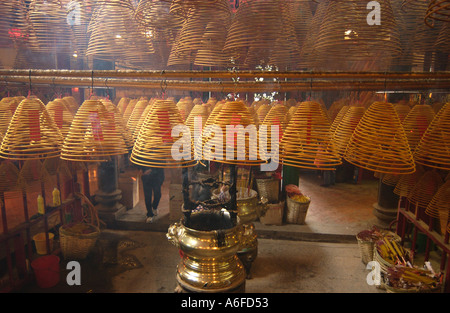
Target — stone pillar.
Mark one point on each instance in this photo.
(385, 210)
(108, 195)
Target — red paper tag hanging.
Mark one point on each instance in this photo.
(164, 125)
(35, 127)
(96, 126)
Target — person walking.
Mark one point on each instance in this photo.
(152, 180)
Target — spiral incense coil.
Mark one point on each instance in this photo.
(426, 187)
(116, 35)
(138, 110)
(417, 122)
(433, 148)
(147, 110)
(262, 111)
(338, 117)
(50, 31)
(8, 106)
(407, 182)
(391, 179)
(291, 112)
(255, 28)
(443, 41)
(345, 127)
(345, 34)
(185, 106)
(439, 201)
(199, 114)
(32, 171)
(210, 52)
(307, 140)
(129, 109)
(93, 135)
(438, 10)
(72, 104)
(154, 143)
(119, 123)
(154, 14)
(61, 114)
(379, 142)
(234, 146)
(9, 176)
(32, 133)
(14, 26)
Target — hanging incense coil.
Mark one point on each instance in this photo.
(438, 10)
(61, 114)
(8, 106)
(32, 133)
(307, 140)
(379, 142)
(345, 34)
(402, 110)
(32, 171)
(417, 122)
(407, 182)
(262, 111)
(72, 104)
(129, 109)
(142, 118)
(433, 148)
(93, 135)
(275, 117)
(14, 26)
(443, 40)
(49, 27)
(119, 123)
(232, 137)
(439, 206)
(9, 176)
(185, 106)
(138, 110)
(199, 114)
(122, 105)
(338, 117)
(426, 187)
(345, 126)
(255, 28)
(115, 35)
(154, 143)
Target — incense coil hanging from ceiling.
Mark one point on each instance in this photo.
(307, 140)
(93, 135)
(146, 112)
(78, 17)
(138, 110)
(443, 40)
(115, 35)
(200, 40)
(8, 106)
(9, 175)
(417, 122)
(153, 146)
(346, 39)
(379, 142)
(119, 123)
(256, 28)
(433, 149)
(221, 144)
(439, 206)
(407, 182)
(346, 126)
(14, 26)
(402, 110)
(32, 133)
(49, 29)
(427, 186)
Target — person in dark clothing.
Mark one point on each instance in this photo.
(152, 180)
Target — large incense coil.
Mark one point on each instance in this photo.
(346, 38)
(14, 26)
(255, 27)
(277, 116)
(344, 129)
(72, 104)
(210, 51)
(417, 122)
(8, 106)
(379, 142)
(50, 31)
(262, 111)
(307, 140)
(338, 117)
(119, 123)
(433, 149)
(93, 135)
(61, 114)
(78, 17)
(153, 146)
(443, 40)
(217, 108)
(9, 176)
(32, 133)
(439, 206)
(422, 192)
(438, 10)
(336, 107)
(402, 110)
(232, 147)
(391, 179)
(138, 110)
(155, 14)
(199, 114)
(142, 118)
(116, 35)
(407, 182)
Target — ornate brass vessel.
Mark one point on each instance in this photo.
(208, 242)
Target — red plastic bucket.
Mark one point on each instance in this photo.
(46, 271)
